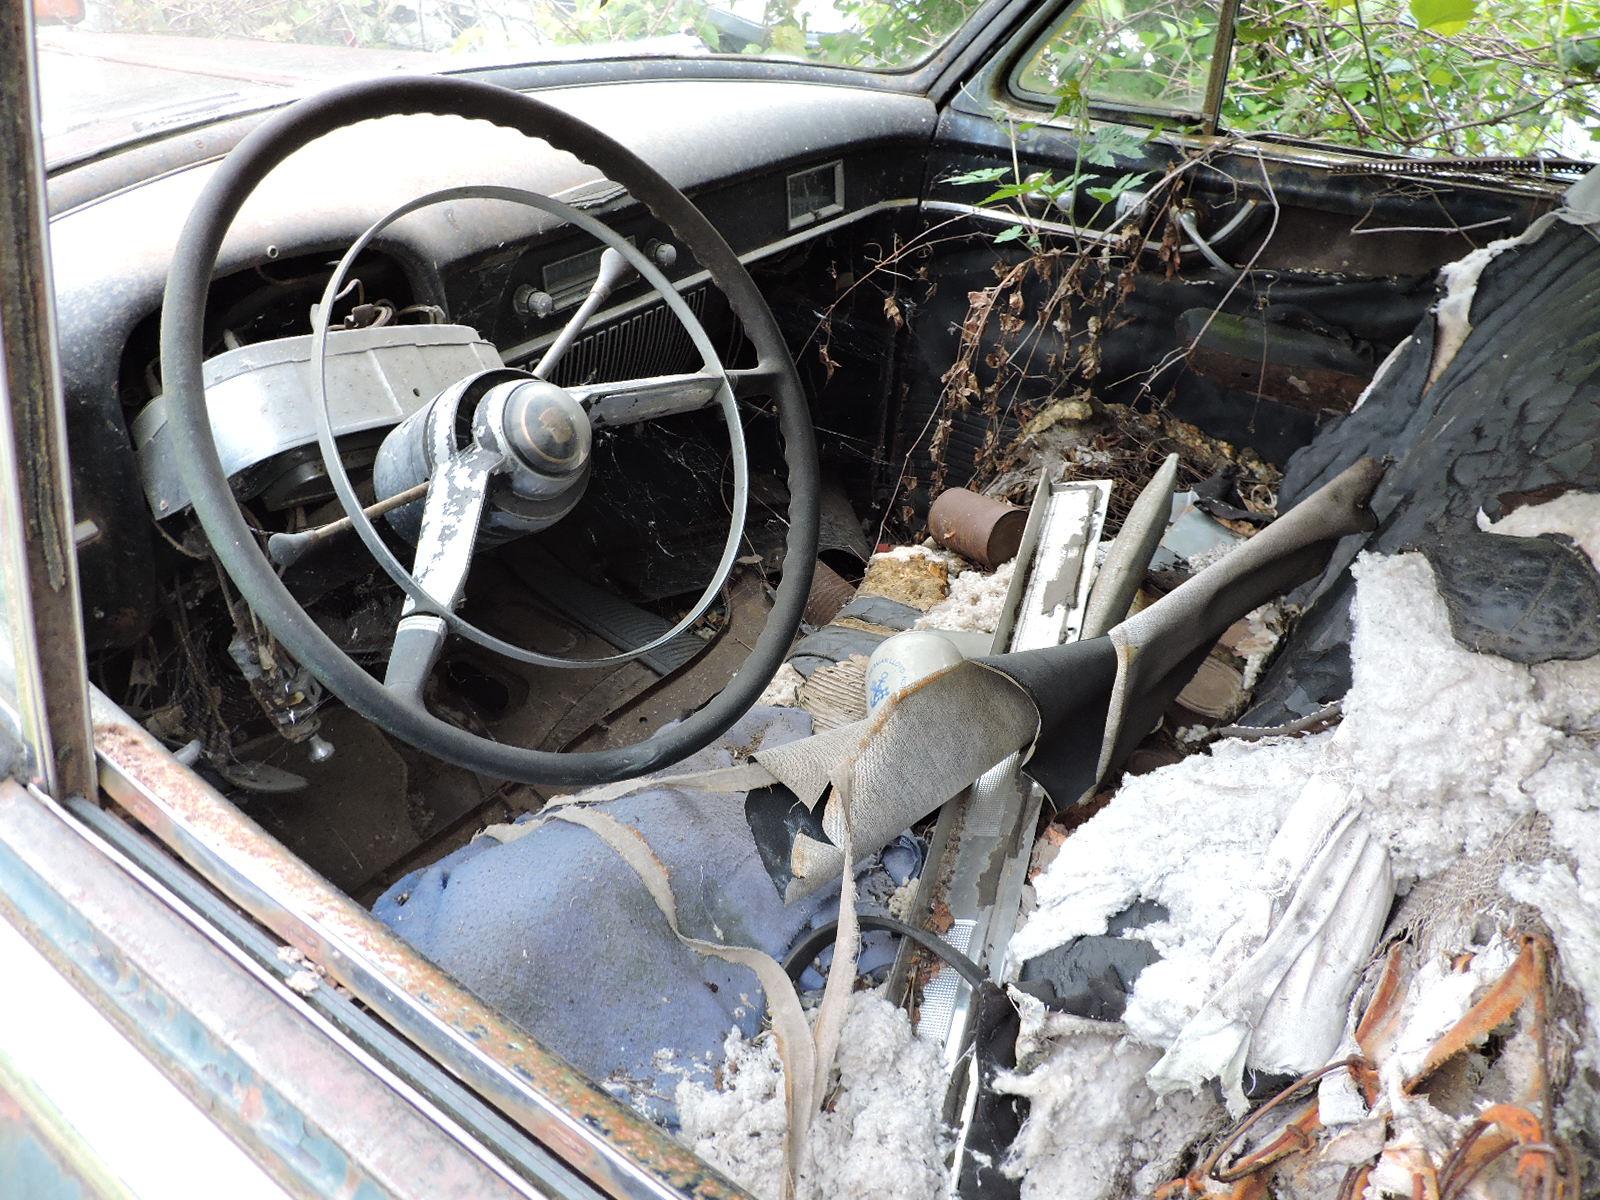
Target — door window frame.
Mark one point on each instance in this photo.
(44, 701)
(1205, 119)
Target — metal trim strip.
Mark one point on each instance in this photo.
(618, 1150)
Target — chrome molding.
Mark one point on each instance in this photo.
(42, 667)
(261, 405)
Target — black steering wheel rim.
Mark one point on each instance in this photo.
(236, 547)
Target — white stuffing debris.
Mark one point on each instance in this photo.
(1576, 514)
(1438, 739)
(1572, 910)
(1094, 1130)
(1264, 629)
(1447, 746)
(1191, 837)
(881, 1138)
(975, 600)
(784, 689)
(1436, 998)
(1440, 749)
(1453, 315)
(1439, 752)
(1383, 369)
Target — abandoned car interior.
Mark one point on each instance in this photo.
(971, 617)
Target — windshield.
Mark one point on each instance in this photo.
(113, 70)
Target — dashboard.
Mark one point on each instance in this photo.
(773, 166)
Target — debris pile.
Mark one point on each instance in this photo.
(1476, 781)
(1126, 445)
(1362, 1046)
(1356, 954)
(1095, 1128)
(881, 1139)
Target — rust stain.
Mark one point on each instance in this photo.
(233, 836)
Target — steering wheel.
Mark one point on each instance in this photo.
(463, 475)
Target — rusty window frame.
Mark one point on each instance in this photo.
(43, 677)
(615, 1149)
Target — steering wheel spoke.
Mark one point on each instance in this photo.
(451, 514)
(633, 400)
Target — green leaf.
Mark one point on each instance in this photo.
(1581, 56)
(983, 175)
(1444, 17)
(1010, 192)
(1009, 235)
(1580, 19)
(789, 39)
(1122, 184)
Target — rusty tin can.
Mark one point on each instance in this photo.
(986, 530)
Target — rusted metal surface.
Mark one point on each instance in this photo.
(986, 530)
(1545, 1165)
(1381, 1022)
(1304, 368)
(829, 593)
(1308, 386)
(615, 1149)
(317, 1118)
(41, 614)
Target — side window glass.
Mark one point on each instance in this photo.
(1421, 77)
(1153, 55)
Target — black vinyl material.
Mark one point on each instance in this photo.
(1514, 418)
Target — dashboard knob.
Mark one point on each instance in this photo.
(663, 254)
(529, 301)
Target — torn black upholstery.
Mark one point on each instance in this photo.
(1514, 417)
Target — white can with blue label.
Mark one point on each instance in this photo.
(905, 659)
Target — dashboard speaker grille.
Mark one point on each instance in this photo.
(648, 342)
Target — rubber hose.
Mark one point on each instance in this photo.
(823, 936)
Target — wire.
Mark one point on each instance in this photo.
(823, 936)
(1186, 222)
